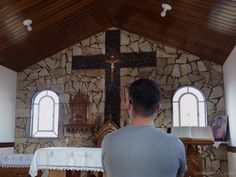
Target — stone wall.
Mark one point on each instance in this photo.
(55, 73)
(174, 68)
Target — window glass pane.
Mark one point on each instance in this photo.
(56, 118)
(46, 114)
(188, 110)
(197, 93)
(175, 114)
(202, 115)
(35, 119)
(178, 93)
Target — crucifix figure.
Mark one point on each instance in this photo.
(112, 62)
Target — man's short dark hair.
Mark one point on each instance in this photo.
(145, 95)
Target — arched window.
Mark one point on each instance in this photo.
(189, 107)
(45, 114)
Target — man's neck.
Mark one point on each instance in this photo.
(141, 121)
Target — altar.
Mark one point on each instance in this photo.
(60, 159)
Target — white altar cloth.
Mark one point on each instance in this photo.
(66, 158)
(15, 160)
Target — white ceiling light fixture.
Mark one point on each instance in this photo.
(28, 24)
(166, 7)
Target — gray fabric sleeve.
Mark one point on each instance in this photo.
(105, 145)
(182, 158)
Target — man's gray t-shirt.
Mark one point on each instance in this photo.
(142, 151)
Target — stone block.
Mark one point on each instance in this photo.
(217, 92)
(194, 68)
(27, 71)
(218, 68)
(169, 69)
(206, 77)
(20, 133)
(50, 63)
(198, 84)
(134, 47)
(44, 72)
(68, 68)
(100, 38)
(19, 148)
(124, 39)
(176, 71)
(206, 91)
(145, 47)
(57, 64)
(23, 112)
(194, 77)
(215, 78)
(192, 58)
(134, 37)
(165, 104)
(41, 84)
(64, 98)
(162, 81)
(182, 59)
(42, 63)
(30, 148)
(169, 49)
(184, 81)
(185, 69)
(21, 76)
(58, 88)
(20, 123)
(60, 80)
(125, 49)
(201, 66)
(221, 105)
(33, 76)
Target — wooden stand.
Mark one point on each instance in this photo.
(194, 159)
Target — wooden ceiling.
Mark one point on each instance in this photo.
(205, 28)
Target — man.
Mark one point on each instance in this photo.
(140, 149)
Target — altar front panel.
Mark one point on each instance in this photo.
(66, 158)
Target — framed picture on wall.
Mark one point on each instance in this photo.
(219, 128)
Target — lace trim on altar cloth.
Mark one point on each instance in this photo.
(15, 160)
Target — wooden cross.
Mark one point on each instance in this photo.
(112, 61)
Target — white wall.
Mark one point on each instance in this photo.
(232, 164)
(229, 69)
(7, 104)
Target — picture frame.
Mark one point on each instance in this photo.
(219, 127)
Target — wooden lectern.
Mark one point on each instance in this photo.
(193, 157)
(193, 139)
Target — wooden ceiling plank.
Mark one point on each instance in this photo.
(180, 30)
(204, 28)
(217, 57)
(60, 15)
(186, 27)
(17, 9)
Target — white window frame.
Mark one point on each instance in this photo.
(201, 101)
(35, 116)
